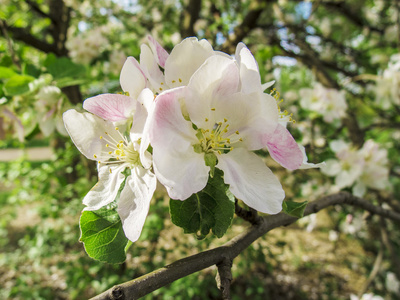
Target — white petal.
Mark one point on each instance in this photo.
(306, 164)
(249, 73)
(134, 201)
(176, 165)
(185, 59)
(251, 180)
(217, 77)
(150, 67)
(332, 167)
(85, 130)
(132, 78)
(106, 189)
(182, 171)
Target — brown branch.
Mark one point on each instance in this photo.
(22, 35)
(190, 16)
(250, 215)
(148, 283)
(224, 278)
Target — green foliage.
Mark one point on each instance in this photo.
(103, 236)
(210, 209)
(294, 209)
(17, 85)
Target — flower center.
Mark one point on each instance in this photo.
(216, 140)
(120, 150)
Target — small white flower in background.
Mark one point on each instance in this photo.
(116, 61)
(392, 283)
(111, 135)
(49, 108)
(368, 296)
(363, 168)
(375, 173)
(86, 46)
(9, 122)
(347, 168)
(329, 103)
(388, 84)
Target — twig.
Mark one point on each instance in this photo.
(14, 57)
(148, 283)
(224, 278)
(250, 215)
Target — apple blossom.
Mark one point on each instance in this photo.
(109, 136)
(179, 66)
(347, 168)
(226, 121)
(329, 103)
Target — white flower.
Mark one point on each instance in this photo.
(227, 117)
(110, 137)
(388, 84)
(329, 103)
(392, 283)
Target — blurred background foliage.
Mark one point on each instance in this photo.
(54, 54)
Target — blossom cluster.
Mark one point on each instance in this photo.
(182, 115)
(388, 84)
(329, 103)
(361, 168)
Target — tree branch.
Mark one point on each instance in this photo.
(148, 283)
(22, 35)
(190, 16)
(224, 278)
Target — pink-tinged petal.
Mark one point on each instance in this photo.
(85, 130)
(111, 107)
(134, 201)
(160, 53)
(251, 180)
(283, 149)
(249, 73)
(106, 189)
(185, 59)
(176, 165)
(132, 78)
(150, 67)
(168, 128)
(181, 170)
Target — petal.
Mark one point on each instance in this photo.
(217, 77)
(150, 67)
(182, 171)
(185, 59)
(332, 167)
(106, 189)
(168, 128)
(134, 201)
(249, 73)
(85, 131)
(111, 107)
(283, 148)
(246, 114)
(306, 164)
(251, 180)
(160, 54)
(176, 165)
(132, 78)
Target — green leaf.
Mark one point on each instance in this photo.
(6, 72)
(17, 85)
(294, 209)
(103, 236)
(210, 209)
(63, 82)
(63, 67)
